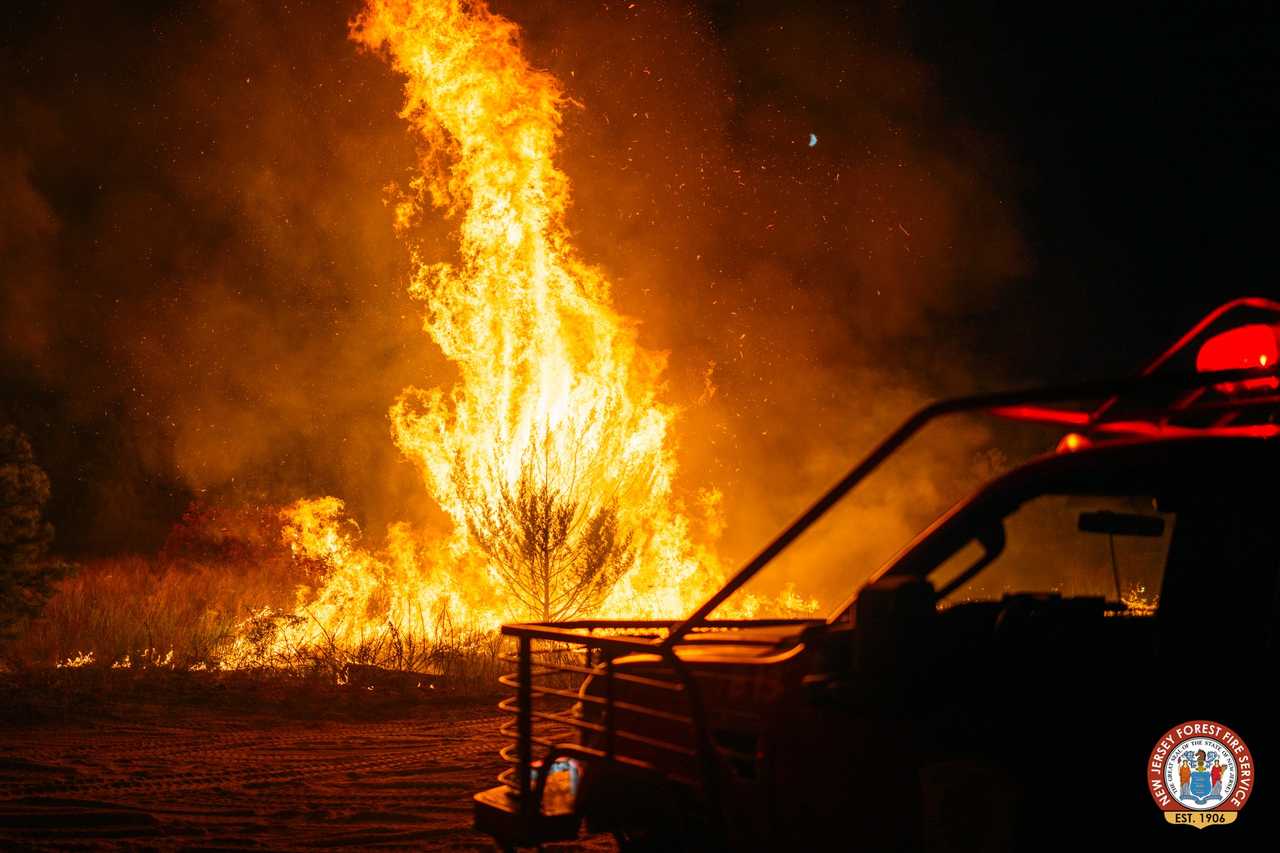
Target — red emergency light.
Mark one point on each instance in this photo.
(1251, 346)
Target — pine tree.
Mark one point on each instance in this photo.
(27, 575)
(558, 556)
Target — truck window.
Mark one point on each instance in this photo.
(1047, 551)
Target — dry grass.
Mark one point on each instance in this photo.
(144, 608)
(225, 575)
(465, 659)
(148, 613)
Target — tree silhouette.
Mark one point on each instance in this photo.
(558, 552)
(26, 575)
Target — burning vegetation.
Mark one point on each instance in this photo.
(550, 454)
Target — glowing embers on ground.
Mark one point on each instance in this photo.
(551, 452)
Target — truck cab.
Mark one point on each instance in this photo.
(996, 685)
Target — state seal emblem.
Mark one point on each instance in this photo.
(1200, 774)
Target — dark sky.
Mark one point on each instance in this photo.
(1147, 133)
(201, 292)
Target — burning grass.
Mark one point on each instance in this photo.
(146, 614)
(142, 610)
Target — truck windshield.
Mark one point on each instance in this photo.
(1107, 546)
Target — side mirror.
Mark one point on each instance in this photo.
(894, 627)
(1122, 524)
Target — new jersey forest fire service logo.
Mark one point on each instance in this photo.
(1201, 774)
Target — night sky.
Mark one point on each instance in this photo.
(1147, 134)
(201, 295)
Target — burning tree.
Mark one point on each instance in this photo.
(558, 554)
(551, 454)
(26, 575)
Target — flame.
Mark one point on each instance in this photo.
(546, 365)
(551, 379)
(77, 661)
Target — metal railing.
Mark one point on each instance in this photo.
(571, 701)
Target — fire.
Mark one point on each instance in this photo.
(553, 436)
(547, 367)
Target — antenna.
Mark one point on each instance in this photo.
(1115, 567)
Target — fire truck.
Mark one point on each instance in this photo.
(998, 685)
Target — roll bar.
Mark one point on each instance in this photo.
(1019, 405)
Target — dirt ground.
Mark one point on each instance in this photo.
(254, 771)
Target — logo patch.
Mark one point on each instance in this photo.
(1200, 774)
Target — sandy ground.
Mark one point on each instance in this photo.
(155, 773)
